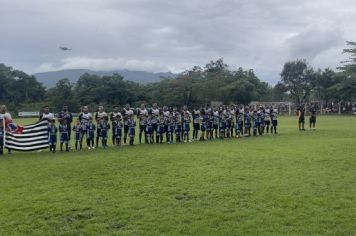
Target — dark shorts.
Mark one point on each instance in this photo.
(312, 119)
(267, 122)
(126, 129)
(301, 120)
(143, 128)
(196, 126)
(274, 122)
(216, 126)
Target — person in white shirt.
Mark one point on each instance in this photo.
(46, 115)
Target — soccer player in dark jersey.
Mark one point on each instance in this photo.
(268, 112)
(196, 123)
(203, 125)
(66, 115)
(312, 119)
(301, 118)
(274, 118)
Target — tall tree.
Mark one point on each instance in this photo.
(297, 77)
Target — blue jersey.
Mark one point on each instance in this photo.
(131, 124)
(64, 133)
(186, 124)
(90, 129)
(104, 129)
(65, 116)
(149, 127)
(52, 134)
(77, 132)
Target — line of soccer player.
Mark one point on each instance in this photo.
(158, 125)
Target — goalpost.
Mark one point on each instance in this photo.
(285, 108)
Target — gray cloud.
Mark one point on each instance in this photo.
(166, 35)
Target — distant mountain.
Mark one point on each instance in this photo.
(49, 79)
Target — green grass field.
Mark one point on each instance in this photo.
(294, 183)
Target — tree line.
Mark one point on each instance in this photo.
(299, 83)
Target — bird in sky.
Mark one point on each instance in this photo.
(65, 48)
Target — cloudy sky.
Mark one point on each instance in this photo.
(163, 35)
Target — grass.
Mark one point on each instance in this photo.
(294, 183)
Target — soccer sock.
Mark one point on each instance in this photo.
(67, 147)
(61, 146)
(97, 140)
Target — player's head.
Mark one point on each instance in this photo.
(100, 108)
(116, 108)
(143, 106)
(46, 109)
(85, 109)
(3, 109)
(64, 107)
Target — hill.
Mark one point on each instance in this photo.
(49, 79)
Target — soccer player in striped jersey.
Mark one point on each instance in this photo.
(99, 116)
(90, 130)
(52, 136)
(77, 135)
(261, 121)
(186, 127)
(113, 117)
(166, 113)
(255, 122)
(84, 117)
(247, 122)
(154, 120)
(149, 129)
(216, 121)
(160, 128)
(64, 135)
(118, 129)
(178, 126)
(210, 126)
(132, 126)
(239, 114)
(104, 128)
(127, 112)
(222, 124)
(142, 114)
(170, 130)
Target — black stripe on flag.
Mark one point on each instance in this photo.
(34, 137)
